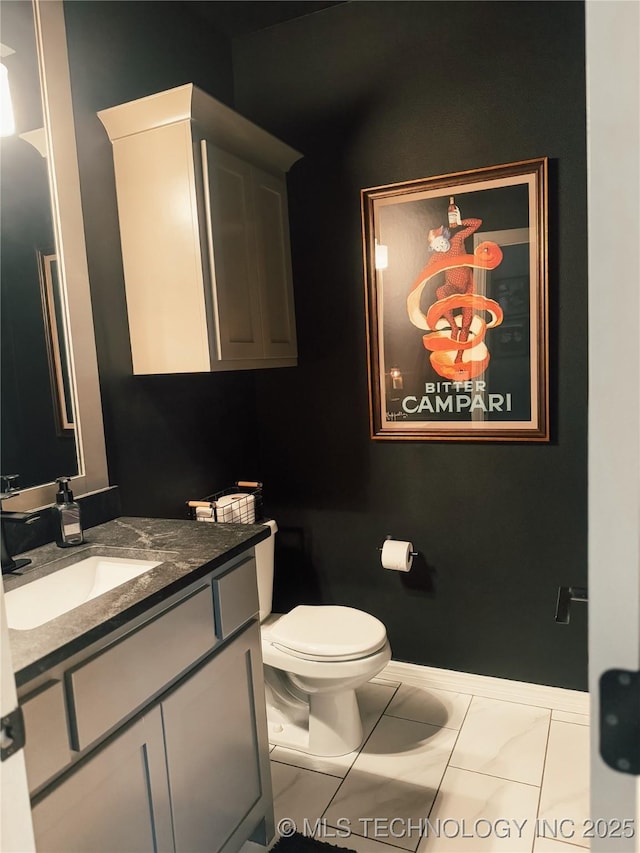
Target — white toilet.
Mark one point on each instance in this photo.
(315, 658)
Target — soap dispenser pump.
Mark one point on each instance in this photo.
(67, 512)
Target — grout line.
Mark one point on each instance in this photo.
(490, 687)
(518, 702)
(365, 741)
(568, 723)
(394, 690)
(362, 746)
(544, 767)
(308, 769)
(573, 722)
(505, 778)
(448, 764)
(375, 840)
(425, 685)
(494, 776)
(568, 841)
(424, 722)
(411, 719)
(385, 682)
(384, 713)
(391, 698)
(305, 766)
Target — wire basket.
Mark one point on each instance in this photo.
(239, 504)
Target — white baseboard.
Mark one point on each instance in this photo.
(540, 695)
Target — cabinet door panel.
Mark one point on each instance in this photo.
(274, 266)
(211, 742)
(118, 800)
(231, 240)
(161, 251)
(47, 744)
(236, 598)
(141, 664)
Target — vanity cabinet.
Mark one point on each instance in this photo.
(186, 776)
(202, 205)
(211, 731)
(184, 769)
(118, 800)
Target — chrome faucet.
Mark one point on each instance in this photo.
(9, 491)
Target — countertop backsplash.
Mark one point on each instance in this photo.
(96, 508)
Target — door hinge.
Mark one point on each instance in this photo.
(12, 737)
(620, 720)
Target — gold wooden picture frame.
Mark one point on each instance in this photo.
(456, 303)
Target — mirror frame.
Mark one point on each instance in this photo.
(64, 185)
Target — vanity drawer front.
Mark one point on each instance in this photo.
(124, 677)
(236, 597)
(47, 738)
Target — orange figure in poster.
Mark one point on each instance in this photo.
(456, 341)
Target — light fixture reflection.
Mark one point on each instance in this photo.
(381, 256)
(7, 122)
(397, 380)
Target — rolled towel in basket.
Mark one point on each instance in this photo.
(204, 513)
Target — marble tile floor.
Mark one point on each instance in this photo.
(443, 771)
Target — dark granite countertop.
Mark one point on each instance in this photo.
(188, 550)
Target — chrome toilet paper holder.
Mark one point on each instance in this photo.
(413, 554)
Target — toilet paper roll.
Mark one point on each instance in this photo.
(244, 508)
(238, 508)
(396, 555)
(224, 508)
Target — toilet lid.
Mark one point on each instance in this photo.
(328, 632)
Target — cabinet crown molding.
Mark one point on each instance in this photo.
(213, 120)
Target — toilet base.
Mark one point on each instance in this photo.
(312, 705)
(331, 725)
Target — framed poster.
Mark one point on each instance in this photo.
(456, 302)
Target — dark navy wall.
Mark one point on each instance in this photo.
(371, 93)
(378, 92)
(169, 438)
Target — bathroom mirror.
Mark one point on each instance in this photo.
(51, 416)
(36, 417)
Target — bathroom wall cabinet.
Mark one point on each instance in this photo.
(202, 205)
(186, 768)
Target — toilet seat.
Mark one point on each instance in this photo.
(328, 633)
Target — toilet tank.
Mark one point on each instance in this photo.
(264, 570)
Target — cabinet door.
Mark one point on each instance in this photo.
(161, 250)
(117, 800)
(274, 266)
(230, 218)
(214, 744)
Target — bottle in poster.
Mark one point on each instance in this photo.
(453, 214)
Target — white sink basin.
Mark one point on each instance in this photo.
(41, 600)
